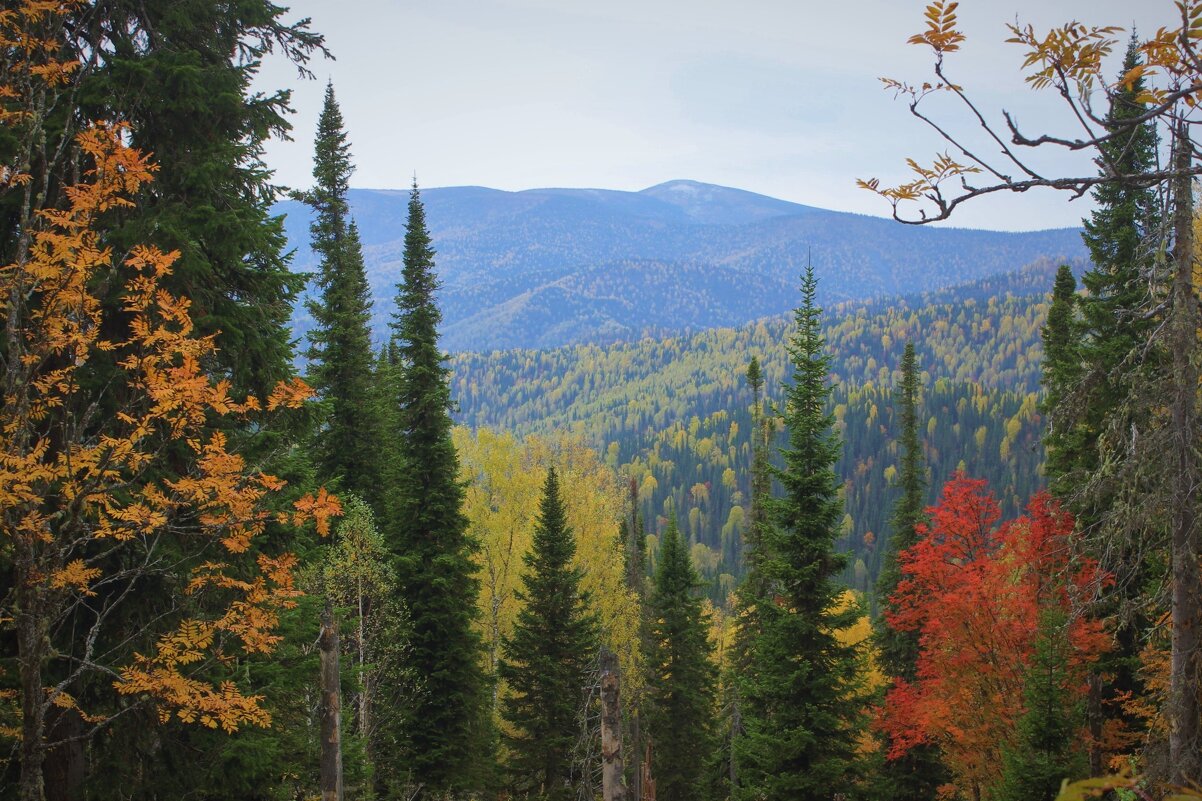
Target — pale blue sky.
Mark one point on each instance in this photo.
(774, 96)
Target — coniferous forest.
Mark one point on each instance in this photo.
(265, 537)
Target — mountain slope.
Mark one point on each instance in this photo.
(549, 267)
(674, 413)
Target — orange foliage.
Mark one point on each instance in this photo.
(973, 591)
(76, 489)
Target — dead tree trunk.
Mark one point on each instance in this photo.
(612, 786)
(645, 780)
(331, 708)
(1185, 745)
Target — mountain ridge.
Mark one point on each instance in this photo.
(551, 267)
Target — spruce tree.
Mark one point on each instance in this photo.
(804, 703)
(916, 776)
(546, 660)
(1113, 312)
(448, 742)
(761, 478)
(634, 554)
(1048, 749)
(1066, 439)
(340, 349)
(682, 675)
(183, 74)
(1116, 366)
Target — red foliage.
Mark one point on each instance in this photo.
(973, 591)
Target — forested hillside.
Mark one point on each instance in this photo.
(550, 267)
(674, 414)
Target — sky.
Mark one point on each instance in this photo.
(779, 97)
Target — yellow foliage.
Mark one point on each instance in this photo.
(505, 477)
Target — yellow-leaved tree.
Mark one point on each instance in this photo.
(505, 478)
(95, 507)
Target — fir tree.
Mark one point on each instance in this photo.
(546, 660)
(916, 776)
(899, 649)
(761, 478)
(1066, 441)
(802, 693)
(182, 73)
(634, 554)
(340, 352)
(448, 742)
(1113, 313)
(1048, 749)
(1115, 366)
(682, 676)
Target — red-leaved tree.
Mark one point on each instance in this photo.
(974, 591)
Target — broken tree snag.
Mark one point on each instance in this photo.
(331, 708)
(645, 781)
(612, 787)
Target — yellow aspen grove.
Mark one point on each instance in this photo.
(92, 503)
(505, 475)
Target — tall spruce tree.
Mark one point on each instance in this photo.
(682, 675)
(546, 660)
(749, 595)
(1119, 235)
(449, 740)
(634, 554)
(1116, 369)
(340, 351)
(1066, 439)
(916, 776)
(804, 702)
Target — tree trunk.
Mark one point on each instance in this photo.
(1185, 747)
(1095, 716)
(64, 771)
(331, 709)
(31, 649)
(736, 727)
(612, 787)
(364, 679)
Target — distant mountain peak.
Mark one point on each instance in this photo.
(713, 204)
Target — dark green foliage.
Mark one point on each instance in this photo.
(181, 72)
(1048, 749)
(448, 743)
(915, 776)
(681, 674)
(547, 659)
(1114, 312)
(1115, 367)
(804, 707)
(1066, 440)
(761, 478)
(899, 649)
(340, 351)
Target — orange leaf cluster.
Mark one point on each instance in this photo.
(941, 33)
(75, 486)
(1070, 53)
